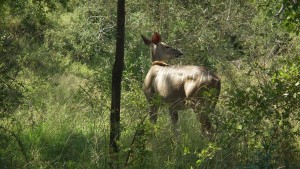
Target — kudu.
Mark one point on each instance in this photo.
(180, 87)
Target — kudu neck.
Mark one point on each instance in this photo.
(157, 56)
(159, 63)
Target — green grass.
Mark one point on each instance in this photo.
(65, 124)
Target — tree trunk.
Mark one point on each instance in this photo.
(116, 86)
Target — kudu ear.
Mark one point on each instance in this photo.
(146, 40)
(156, 38)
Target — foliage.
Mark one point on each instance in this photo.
(55, 73)
(267, 118)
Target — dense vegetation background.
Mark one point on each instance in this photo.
(55, 72)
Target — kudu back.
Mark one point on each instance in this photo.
(180, 87)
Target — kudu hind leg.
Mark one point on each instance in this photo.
(204, 107)
(206, 125)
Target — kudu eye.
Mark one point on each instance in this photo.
(167, 47)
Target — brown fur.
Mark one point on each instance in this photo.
(180, 87)
(159, 63)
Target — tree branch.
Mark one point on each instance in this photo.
(280, 11)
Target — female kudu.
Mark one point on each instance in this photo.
(180, 86)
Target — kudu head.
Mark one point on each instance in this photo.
(159, 50)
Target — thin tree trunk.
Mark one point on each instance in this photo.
(116, 86)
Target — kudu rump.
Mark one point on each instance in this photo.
(180, 86)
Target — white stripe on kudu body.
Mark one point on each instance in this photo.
(180, 86)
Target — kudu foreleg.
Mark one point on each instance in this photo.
(153, 113)
(174, 119)
(174, 116)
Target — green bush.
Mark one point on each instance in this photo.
(55, 84)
